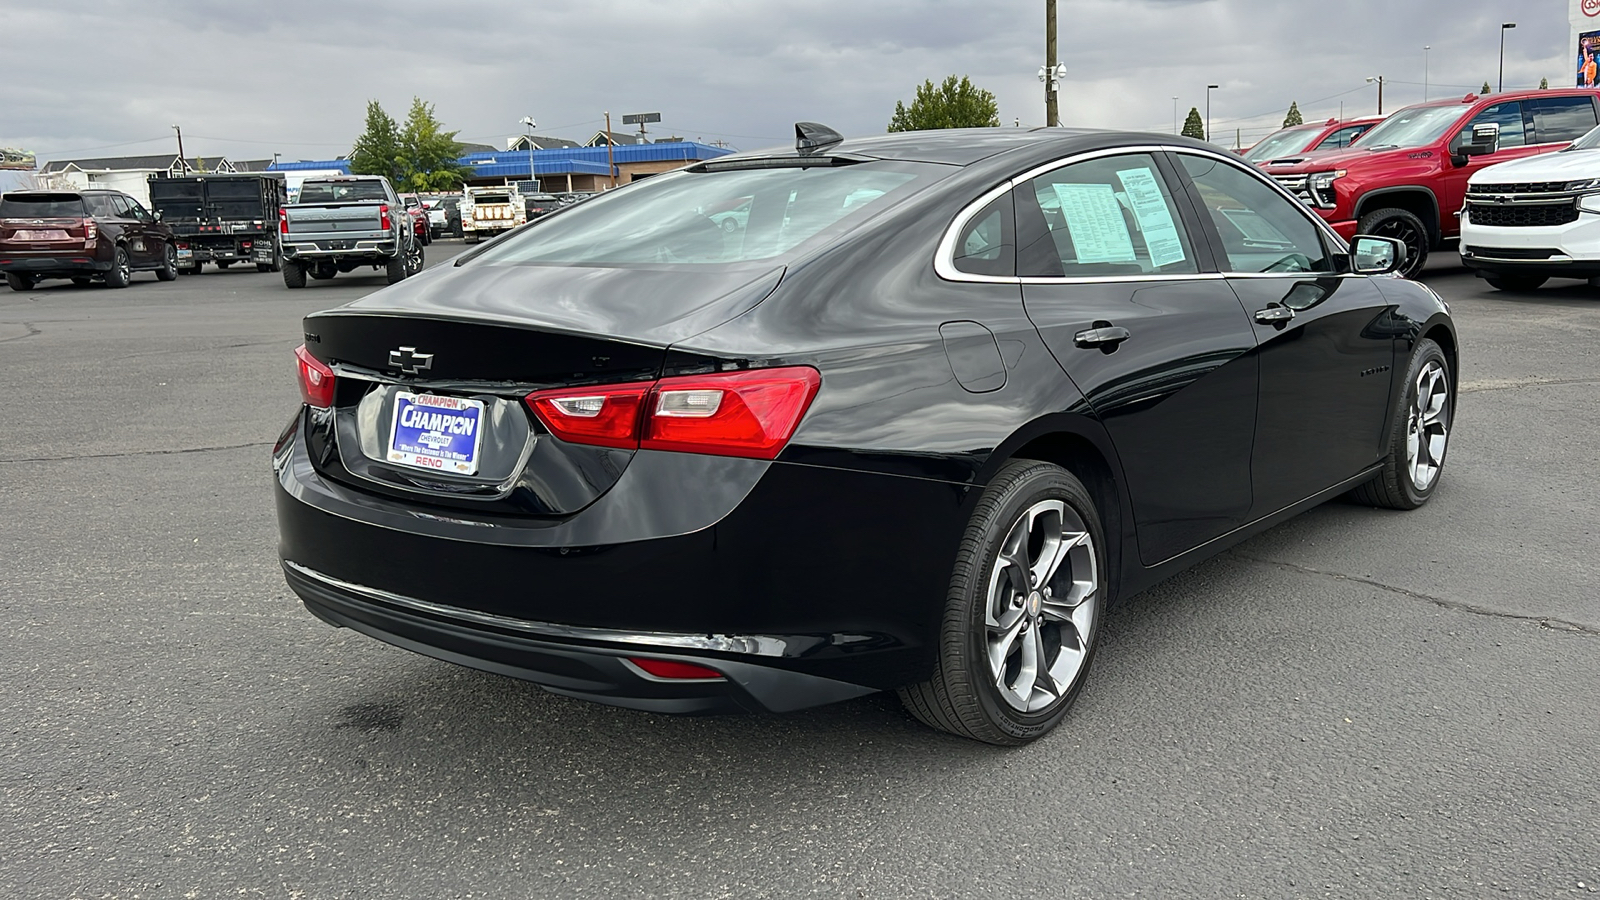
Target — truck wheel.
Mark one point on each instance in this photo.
(397, 268)
(1407, 228)
(414, 259)
(19, 282)
(120, 272)
(294, 275)
(169, 265)
(1516, 283)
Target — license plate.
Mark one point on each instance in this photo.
(438, 433)
(185, 253)
(49, 235)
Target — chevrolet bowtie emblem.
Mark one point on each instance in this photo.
(409, 361)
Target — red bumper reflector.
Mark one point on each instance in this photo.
(671, 668)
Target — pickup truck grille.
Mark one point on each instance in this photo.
(1523, 215)
(1521, 187)
(1295, 184)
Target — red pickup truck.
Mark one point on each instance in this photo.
(1407, 177)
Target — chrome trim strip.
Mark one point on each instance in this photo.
(1558, 259)
(944, 264)
(754, 645)
(1121, 279)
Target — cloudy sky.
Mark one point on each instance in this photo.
(109, 77)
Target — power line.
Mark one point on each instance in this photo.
(102, 147)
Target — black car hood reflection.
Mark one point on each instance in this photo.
(648, 304)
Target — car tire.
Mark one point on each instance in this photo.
(1405, 227)
(397, 268)
(294, 275)
(1418, 436)
(169, 265)
(1516, 284)
(1033, 519)
(415, 260)
(20, 282)
(120, 272)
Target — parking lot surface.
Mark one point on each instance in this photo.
(1359, 703)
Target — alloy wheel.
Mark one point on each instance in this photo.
(1407, 234)
(1040, 611)
(1428, 426)
(124, 268)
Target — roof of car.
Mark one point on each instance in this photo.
(964, 146)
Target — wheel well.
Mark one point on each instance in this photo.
(1418, 203)
(1441, 335)
(1080, 457)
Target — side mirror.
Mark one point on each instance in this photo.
(1484, 140)
(1376, 255)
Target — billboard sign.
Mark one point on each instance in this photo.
(20, 160)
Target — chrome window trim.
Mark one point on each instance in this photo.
(944, 257)
(755, 645)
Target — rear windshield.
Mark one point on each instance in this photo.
(717, 217)
(338, 191)
(40, 206)
(1283, 143)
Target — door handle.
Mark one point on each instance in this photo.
(1274, 315)
(1104, 336)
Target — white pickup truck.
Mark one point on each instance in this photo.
(341, 223)
(1536, 218)
(487, 212)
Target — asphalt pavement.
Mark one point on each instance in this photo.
(1358, 703)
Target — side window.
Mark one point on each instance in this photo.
(119, 206)
(1562, 118)
(100, 206)
(134, 209)
(986, 245)
(1261, 230)
(1111, 216)
(1508, 115)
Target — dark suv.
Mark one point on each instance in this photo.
(81, 235)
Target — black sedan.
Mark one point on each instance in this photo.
(932, 404)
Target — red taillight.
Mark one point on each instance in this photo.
(671, 668)
(283, 221)
(316, 379)
(90, 230)
(751, 414)
(602, 416)
(244, 245)
(383, 217)
(183, 245)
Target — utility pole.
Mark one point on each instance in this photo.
(1209, 89)
(1379, 80)
(183, 161)
(1051, 111)
(1174, 113)
(610, 165)
(1425, 49)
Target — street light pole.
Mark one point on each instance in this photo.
(1379, 80)
(1209, 89)
(1507, 26)
(1425, 49)
(1174, 113)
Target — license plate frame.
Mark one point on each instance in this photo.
(426, 433)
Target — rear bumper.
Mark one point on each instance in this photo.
(339, 247)
(802, 584)
(65, 266)
(590, 664)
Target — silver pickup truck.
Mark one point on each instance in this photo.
(341, 223)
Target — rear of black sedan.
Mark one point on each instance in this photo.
(778, 430)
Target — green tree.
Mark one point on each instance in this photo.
(1544, 84)
(428, 153)
(377, 150)
(1485, 88)
(1193, 126)
(954, 104)
(1294, 117)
